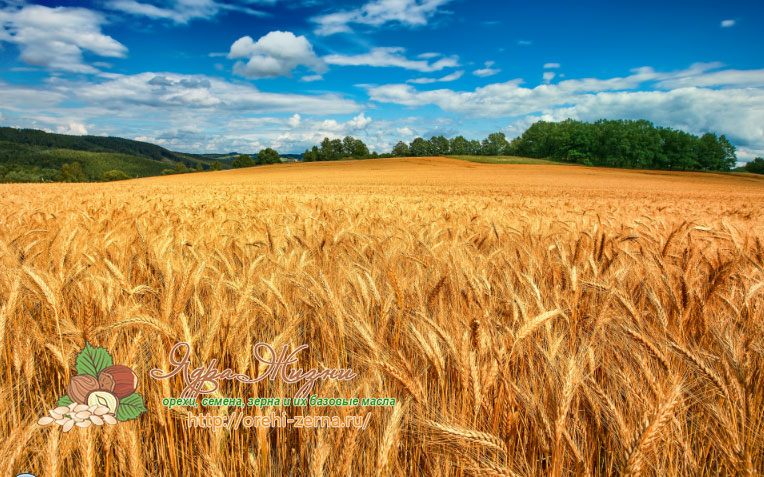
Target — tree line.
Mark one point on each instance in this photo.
(265, 156)
(756, 166)
(622, 143)
(336, 149)
(610, 143)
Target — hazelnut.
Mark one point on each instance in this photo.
(118, 380)
(80, 386)
(105, 399)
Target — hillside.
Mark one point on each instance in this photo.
(30, 155)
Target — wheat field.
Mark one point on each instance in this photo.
(528, 319)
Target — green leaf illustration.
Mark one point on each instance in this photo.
(64, 401)
(130, 407)
(92, 360)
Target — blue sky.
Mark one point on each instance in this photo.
(214, 76)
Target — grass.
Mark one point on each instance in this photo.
(529, 321)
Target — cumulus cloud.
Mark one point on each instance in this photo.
(55, 38)
(444, 79)
(275, 54)
(728, 23)
(73, 128)
(548, 76)
(294, 121)
(180, 11)
(729, 102)
(359, 122)
(487, 71)
(410, 13)
(391, 56)
(549, 66)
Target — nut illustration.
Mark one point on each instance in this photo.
(80, 386)
(119, 380)
(103, 398)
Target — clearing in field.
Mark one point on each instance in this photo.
(527, 319)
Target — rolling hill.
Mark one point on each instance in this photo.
(30, 155)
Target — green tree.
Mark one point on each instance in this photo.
(242, 160)
(359, 149)
(439, 146)
(326, 153)
(336, 146)
(72, 172)
(113, 175)
(730, 158)
(348, 146)
(756, 166)
(711, 153)
(199, 167)
(331, 149)
(401, 149)
(216, 166)
(268, 156)
(495, 144)
(419, 147)
(459, 146)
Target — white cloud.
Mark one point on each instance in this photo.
(359, 122)
(294, 121)
(310, 78)
(55, 38)
(180, 11)
(524, 42)
(73, 128)
(444, 79)
(549, 66)
(728, 23)
(487, 71)
(740, 78)
(391, 56)
(548, 76)
(410, 13)
(275, 54)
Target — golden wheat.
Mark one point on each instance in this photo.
(530, 320)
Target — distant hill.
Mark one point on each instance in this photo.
(34, 137)
(30, 155)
